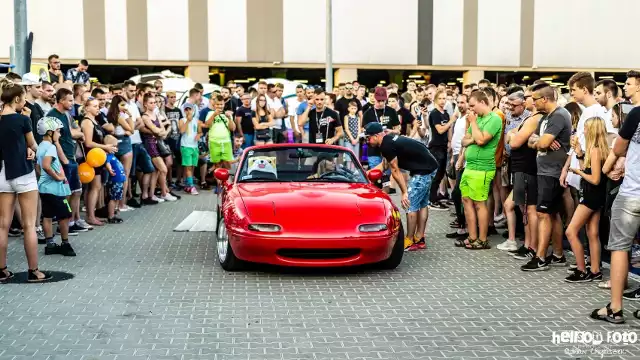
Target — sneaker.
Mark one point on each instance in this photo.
(500, 224)
(149, 201)
(78, 228)
(579, 277)
(72, 232)
(508, 245)
(499, 218)
(535, 264)
(40, 234)
(421, 244)
(15, 232)
(194, 191)
(175, 195)
(458, 235)
(524, 254)
(438, 206)
(66, 249)
(157, 199)
(169, 198)
(553, 260)
(134, 203)
(53, 249)
(409, 245)
(596, 276)
(84, 224)
(632, 295)
(126, 208)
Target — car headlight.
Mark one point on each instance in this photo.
(264, 227)
(373, 227)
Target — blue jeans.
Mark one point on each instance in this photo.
(141, 160)
(419, 188)
(248, 140)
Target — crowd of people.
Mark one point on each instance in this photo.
(547, 166)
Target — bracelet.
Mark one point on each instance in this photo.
(580, 157)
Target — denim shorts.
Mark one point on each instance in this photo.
(625, 221)
(71, 172)
(124, 146)
(141, 160)
(418, 188)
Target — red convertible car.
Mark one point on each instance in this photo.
(305, 205)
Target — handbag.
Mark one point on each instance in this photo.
(263, 134)
(163, 148)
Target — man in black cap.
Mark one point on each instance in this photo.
(401, 152)
(381, 114)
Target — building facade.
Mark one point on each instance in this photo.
(466, 35)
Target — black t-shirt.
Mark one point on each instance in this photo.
(406, 121)
(173, 115)
(36, 114)
(387, 117)
(322, 125)
(231, 105)
(53, 78)
(412, 155)
(342, 106)
(366, 107)
(246, 123)
(13, 145)
(438, 118)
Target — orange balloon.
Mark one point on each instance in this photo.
(86, 173)
(96, 157)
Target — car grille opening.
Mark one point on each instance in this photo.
(318, 254)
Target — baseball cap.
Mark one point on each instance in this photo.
(380, 94)
(191, 106)
(30, 79)
(373, 128)
(48, 123)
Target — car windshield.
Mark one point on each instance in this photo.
(300, 164)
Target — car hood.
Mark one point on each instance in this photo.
(303, 208)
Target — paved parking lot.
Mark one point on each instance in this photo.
(143, 291)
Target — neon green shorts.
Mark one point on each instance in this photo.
(220, 151)
(475, 184)
(189, 156)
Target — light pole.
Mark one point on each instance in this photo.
(20, 36)
(328, 76)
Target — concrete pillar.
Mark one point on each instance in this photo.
(198, 73)
(472, 76)
(344, 75)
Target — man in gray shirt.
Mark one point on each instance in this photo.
(552, 139)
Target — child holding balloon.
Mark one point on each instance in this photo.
(53, 187)
(115, 184)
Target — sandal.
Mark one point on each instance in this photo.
(33, 278)
(115, 220)
(6, 274)
(478, 245)
(614, 318)
(607, 285)
(459, 243)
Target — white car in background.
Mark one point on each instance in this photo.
(175, 82)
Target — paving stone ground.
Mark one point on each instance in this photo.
(142, 291)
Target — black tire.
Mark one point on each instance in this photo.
(396, 254)
(231, 262)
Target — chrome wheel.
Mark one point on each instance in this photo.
(222, 241)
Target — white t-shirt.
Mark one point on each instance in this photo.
(275, 104)
(458, 134)
(595, 110)
(135, 114)
(292, 106)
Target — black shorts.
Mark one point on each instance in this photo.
(550, 194)
(525, 189)
(55, 207)
(595, 198)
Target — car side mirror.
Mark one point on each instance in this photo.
(374, 175)
(221, 174)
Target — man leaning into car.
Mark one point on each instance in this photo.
(401, 152)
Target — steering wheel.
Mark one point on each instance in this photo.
(340, 173)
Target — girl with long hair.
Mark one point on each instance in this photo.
(121, 119)
(152, 123)
(18, 179)
(262, 121)
(94, 139)
(592, 199)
